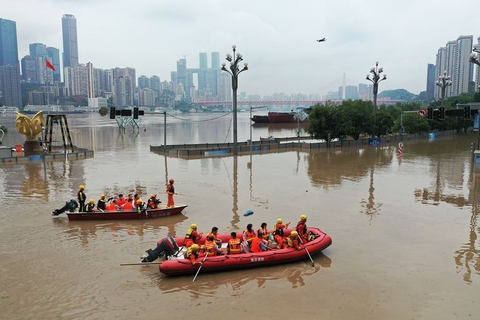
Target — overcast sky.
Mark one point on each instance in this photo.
(276, 37)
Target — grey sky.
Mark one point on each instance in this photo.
(276, 37)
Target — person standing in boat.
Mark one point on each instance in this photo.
(90, 206)
(192, 235)
(170, 192)
(248, 236)
(102, 203)
(193, 253)
(302, 228)
(81, 198)
(278, 232)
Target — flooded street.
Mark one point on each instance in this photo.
(404, 229)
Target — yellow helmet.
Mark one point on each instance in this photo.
(139, 201)
(152, 195)
(193, 226)
(194, 247)
(303, 217)
(81, 187)
(294, 233)
(91, 201)
(279, 220)
(102, 196)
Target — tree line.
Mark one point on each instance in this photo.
(354, 118)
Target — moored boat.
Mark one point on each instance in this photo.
(260, 118)
(177, 265)
(287, 117)
(161, 211)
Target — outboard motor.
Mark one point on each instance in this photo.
(165, 247)
(70, 205)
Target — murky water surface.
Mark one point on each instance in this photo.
(404, 229)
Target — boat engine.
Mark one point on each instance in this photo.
(70, 205)
(165, 247)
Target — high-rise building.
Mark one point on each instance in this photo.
(37, 50)
(90, 81)
(8, 43)
(54, 55)
(430, 82)
(29, 69)
(9, 64)
(477, 76)
(75, 79)
(440, 68)
(143, 82)
(70, 42)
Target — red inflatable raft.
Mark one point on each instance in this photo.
(181, 266)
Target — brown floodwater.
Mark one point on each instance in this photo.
(404, 229)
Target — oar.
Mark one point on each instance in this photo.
(304, 246)
(139, 263)
(200, 267)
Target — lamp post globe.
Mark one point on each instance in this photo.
(234, 71)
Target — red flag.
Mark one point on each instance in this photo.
(49, 65)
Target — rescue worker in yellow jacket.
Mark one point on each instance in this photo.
(293, 241)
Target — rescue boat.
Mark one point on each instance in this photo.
(175, 263)
(161, 211)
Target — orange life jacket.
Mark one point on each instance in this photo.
(256, 245)
(250, 235)
(234, 246)
(210, 248)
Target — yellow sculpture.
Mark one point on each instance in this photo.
(30, 128)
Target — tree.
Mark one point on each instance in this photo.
(384, 122)
(326, 122)
(412, 123)
(358, 117)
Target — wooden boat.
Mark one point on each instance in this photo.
(161, 211)
(180, 266)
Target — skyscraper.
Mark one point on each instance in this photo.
(70, 43)
(9, 65)
(430, 82)
(54, 55)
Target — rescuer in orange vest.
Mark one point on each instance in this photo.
(170, 192)
(214, 233)
(278, 232)
(258, 243)
(192, 235)
(234, 244)
(211, 247)
(302, 228)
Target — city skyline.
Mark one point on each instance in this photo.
(281, 48)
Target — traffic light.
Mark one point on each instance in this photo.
(112, 112)
(466, 112)
(430, 113)
(135, 113)
(441, 113)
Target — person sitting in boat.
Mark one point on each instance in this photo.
(266, 235)
(278, 232)
(248, 236)
(193, 253)
(112, 206)
(136, 196)
(102, 203)
(128, 206)
(121, 201)
(211, 247)
(214, 233)
(140, 206)
(302, 228)
(293, 241)
(235, 245)
(153, 202)
(90, 206)
(192, 235)
(258, 243)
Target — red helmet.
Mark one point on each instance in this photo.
(171, 180)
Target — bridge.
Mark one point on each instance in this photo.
(282, 102)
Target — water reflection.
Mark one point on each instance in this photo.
(208, 284)
(467, 258)
(87, 231)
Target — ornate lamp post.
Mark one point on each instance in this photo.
(375, 78)
(234, 72)
(443, 82)
(475, 55)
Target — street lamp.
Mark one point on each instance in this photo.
(475, 55)
(375, 78)
(443, 82)
(234, 72)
